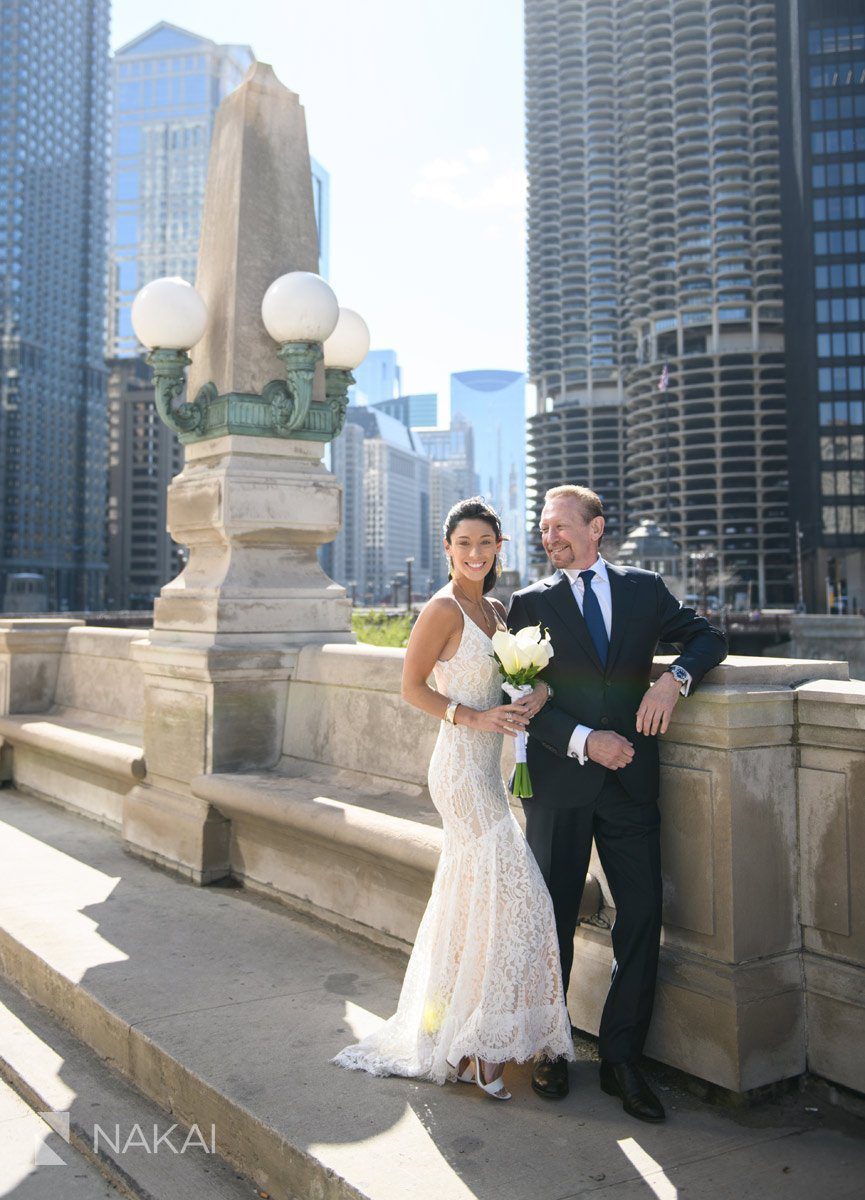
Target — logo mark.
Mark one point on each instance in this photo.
(44, 1155)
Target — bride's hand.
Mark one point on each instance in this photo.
(505, 718)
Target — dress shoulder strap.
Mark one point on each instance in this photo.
(459, 606)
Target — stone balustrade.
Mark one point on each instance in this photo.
(762, 970)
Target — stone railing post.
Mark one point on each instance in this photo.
(30, 649)
(832, 875)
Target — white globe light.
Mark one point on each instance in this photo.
(348, 345)
(299, 307)
(169, 314)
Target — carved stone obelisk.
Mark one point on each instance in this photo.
(251, 507)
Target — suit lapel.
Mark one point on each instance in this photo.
(623, 589)
(561, 596)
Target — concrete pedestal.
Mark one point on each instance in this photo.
(207, 710)
(253, 512)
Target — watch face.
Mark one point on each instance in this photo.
(679, 673)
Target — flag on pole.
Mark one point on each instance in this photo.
(664, 378)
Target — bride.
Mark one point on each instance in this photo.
(483, 984)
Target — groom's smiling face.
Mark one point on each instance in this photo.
(568, 538)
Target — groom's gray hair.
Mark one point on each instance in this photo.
(590, 502)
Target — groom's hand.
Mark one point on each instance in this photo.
(656, 707)
(537, 698)
(609, 749)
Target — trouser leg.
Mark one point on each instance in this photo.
(627, 835)
(561, 841)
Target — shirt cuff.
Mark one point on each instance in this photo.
(577, 744)
(686, 686)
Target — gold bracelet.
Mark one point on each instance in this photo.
(451, 712)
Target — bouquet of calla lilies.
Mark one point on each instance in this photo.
(521, 658)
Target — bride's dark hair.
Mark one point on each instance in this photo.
(475, 508)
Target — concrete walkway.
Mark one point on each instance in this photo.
(225, 1009)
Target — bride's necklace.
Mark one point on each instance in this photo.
(479, 604)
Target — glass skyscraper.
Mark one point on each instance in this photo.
(822, 72)
(168, 84)
(378, 378)
(494, 402)
(54, 69)
(418, 412)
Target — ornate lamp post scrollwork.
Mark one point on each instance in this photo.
(169, 380)
(301, 314)
(345, 349)
(290, 398)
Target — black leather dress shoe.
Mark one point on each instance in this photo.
(626, 1081)
(550, 1078)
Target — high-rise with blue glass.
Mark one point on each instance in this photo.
(494, 402)
(377, 379)
(168, 84)
(419, 411)
(822, 72)
(54, 64)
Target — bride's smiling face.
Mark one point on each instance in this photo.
(473, 548)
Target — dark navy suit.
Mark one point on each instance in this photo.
(574, 803)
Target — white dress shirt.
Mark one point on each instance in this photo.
(600, 585)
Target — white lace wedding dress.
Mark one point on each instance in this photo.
(484, 975)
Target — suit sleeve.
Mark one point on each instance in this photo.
(701, 645)
(552, 726)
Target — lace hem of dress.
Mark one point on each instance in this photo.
(531, 1034)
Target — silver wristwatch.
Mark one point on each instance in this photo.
(680, 675)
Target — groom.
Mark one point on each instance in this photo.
(593, 760)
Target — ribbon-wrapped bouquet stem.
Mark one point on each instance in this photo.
(521, 658)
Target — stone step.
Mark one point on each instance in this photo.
(224, 1008)
(93, 1121)
(31, 1153)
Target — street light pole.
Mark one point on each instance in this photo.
(409, 563)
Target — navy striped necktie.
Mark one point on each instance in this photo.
(594, 618)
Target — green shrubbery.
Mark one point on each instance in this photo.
(378, 628)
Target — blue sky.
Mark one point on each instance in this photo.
(415, 108)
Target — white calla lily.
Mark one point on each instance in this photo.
(530, 635)
(540, 656)
(522, 656)
(505, 646)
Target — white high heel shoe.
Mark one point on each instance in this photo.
(468, 1075)
(496, 1089)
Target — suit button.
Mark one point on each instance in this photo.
(605, 720)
